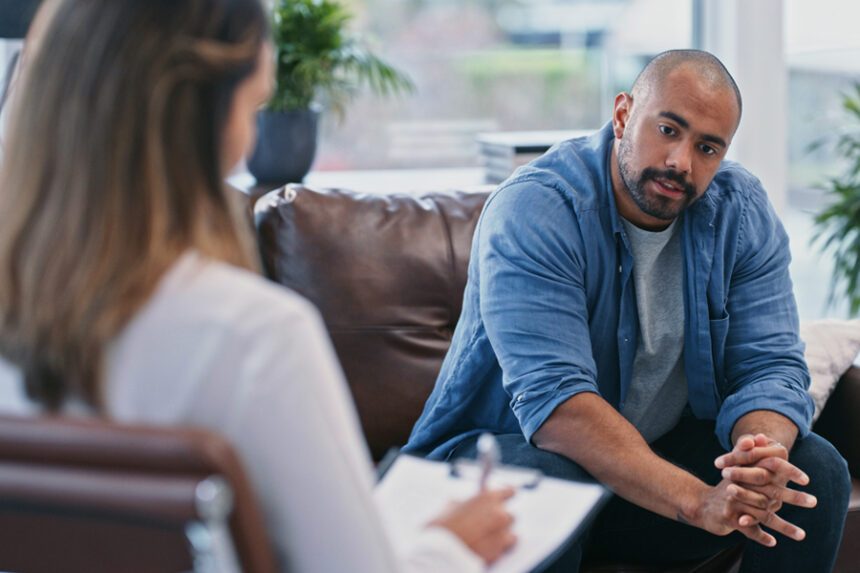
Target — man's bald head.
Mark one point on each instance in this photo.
(707, 67)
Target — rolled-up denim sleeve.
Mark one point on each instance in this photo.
(533, 301)
(765, 367)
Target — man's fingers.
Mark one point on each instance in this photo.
(738, 457)
(757, 534)
(752, 476)
(773, 493)
(780, 525)
(762, 440)
(749, 497)
(752, 516)
(746, 443)
(784, 470)
(784, 495)
(799, 498)
(769, 471)
(743, 444)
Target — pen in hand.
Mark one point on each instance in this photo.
(488, 456)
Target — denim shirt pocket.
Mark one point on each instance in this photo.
(719, 334)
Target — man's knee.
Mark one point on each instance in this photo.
(516, 451)
(829, 479)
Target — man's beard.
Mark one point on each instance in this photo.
(657, 206)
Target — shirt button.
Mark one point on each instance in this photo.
(619, 268)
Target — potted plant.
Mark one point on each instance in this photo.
(320, 64)
(838, 224)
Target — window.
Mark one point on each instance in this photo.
(823, 61)
(823, 56)
(491, 65)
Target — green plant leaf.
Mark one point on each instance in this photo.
(837, 225)
(319, 60)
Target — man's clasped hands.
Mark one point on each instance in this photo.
(756, 474)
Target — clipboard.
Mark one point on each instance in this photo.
(550, 514)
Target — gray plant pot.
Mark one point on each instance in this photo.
(286, 145)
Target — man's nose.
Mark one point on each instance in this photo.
(680, 158)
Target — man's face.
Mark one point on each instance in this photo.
(669, 146)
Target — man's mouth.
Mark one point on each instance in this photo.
(669, 188)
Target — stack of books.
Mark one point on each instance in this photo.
(503, 151)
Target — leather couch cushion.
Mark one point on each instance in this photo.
(388, 274)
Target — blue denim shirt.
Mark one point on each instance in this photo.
(550, 310)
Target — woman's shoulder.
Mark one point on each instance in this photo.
(210, 309)
(204, 288)
(210, 334)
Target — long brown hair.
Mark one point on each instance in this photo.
(112, 169)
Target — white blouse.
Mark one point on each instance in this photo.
(221, 348)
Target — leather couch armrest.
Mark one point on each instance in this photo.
(840, 420)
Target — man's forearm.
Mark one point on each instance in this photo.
(592, 433)
(776, 426)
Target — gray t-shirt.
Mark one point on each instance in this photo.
(658, 391)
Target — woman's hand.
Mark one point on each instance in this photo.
(482, 523)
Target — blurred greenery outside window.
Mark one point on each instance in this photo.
(500, 65)
(494, 65)
(822, 49)
(823, 61)
(485, 65)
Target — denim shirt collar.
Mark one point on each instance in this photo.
(607, 141)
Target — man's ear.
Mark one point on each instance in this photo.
(621, 113)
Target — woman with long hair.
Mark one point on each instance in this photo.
(128, 285)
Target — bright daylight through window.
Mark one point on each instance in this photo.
(494, 65)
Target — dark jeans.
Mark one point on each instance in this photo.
(627, 532)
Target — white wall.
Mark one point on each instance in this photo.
(747, 35)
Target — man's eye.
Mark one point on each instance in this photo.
(707, 149)
(666, 130)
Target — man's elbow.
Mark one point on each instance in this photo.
(545, 436)
(554, 434)
(577, 416)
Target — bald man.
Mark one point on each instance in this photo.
(629, 318)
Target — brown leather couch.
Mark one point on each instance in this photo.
(388, 273)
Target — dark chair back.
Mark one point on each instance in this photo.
(87, 495)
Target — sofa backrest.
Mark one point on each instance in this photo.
(387, 273)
